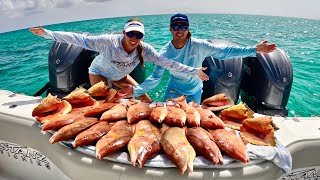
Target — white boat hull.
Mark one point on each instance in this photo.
(25, 152)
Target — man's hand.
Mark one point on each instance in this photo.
(39, 31)
(126, 89)
(263, 47)
(202, 76)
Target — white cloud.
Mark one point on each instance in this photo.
(98, 1)
(18, 8)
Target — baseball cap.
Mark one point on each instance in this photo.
(179, 18)
(134, 26)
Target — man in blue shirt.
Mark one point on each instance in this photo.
(190, 51)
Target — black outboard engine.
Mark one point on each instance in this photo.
(68, 67)
(266, 83)
(224, 75)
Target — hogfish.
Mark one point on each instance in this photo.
(177, 148)
(144, 143)
(118, 136)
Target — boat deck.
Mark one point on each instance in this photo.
(27, 154)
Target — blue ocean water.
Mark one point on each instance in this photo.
(24, 57)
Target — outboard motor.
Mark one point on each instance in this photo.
(266, 83)
(68, 67)
(224, 75)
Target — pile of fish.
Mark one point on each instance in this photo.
(100, 116)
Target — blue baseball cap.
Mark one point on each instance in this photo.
(179, 18)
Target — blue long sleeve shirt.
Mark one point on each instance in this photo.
(113, 62)
(192, 54)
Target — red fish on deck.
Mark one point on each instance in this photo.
(231, 144)
(144, 143)
(92, 135)
(118, 136)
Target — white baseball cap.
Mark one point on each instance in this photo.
(134, 26)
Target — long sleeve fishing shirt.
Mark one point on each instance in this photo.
(192, 54)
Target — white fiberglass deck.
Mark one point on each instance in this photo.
(25, 152)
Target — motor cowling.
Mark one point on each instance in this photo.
(266, 82)
(224, 75)
(68, 66)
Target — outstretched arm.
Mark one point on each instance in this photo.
(94, 43)
(226, 52)
(153, 56)
(178, 67)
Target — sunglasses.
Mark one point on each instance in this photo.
(131, 34)
(176, 27)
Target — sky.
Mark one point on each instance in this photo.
(20, 14)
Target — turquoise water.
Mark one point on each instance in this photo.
(24, 68)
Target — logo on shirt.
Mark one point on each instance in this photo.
(123, 64)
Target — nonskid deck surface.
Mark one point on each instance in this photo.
(15, 119)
